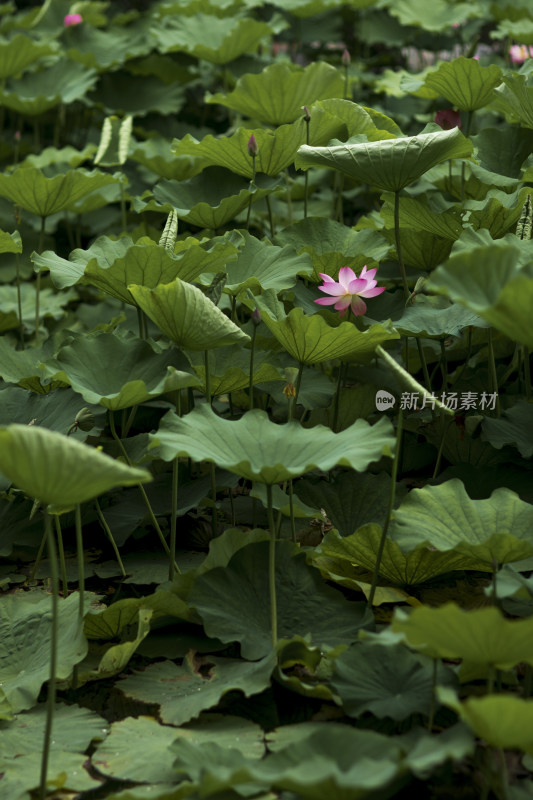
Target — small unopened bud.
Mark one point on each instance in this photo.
(256, 317)
(346, 60)
(307, 115)
(16, 136)
(84, 420)
(253, 149)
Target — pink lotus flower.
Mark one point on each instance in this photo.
(448, 119)
(72, 19)
(519, 52)
(349, 290)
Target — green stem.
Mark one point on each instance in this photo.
(129, 422)
(469, 116)
(51, 700)
(291, 507)
(289, 198)
(399, 244)
(251, 376)
(61, 555)
(306, 174)
(38, 286)
(38, 559)
(337, 398)
(431, 717)
(408, 380)
(123, 205)
(173, 518)
(110, 536)
(298, 382)
(19, 299)
(447, 424)
(392, 495)
(270, 217)
(250, 202)
(81, 563)
(212, 476)
(527, 371)
(272, 568)
(207, 377)
(141, 488)
(493, 375)
(444, 365)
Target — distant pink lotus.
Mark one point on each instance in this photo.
(519, 52)
(448, 119)
(349, 290)
(72, 19)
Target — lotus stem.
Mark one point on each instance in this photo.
(173, 518)
(337, 398)
(19, 300)
(251, 377)
(469, 117)
(289, 198)
(431, 717)
(110, 536)
(61, 555)
(212, 476)
(51, 700)
(298, 383)
(38, 285)
(270, 217)
(392, 496)
(38, 558)
(493, 375)
(291, 507)
(409, 381)
(527, 371)
(81, 564)
(272, 569)
(207, 377)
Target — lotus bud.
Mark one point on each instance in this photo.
(346, 60)
(72, 19)
(84, 420)
(448, 119)
(256, 317)
(253, 149)
(307, 115)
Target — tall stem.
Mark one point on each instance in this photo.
(493, 375)
(110, 536)
(469, 116)
(38, 285)
(19, 300)
(173, 518)
(392, 495)
(51, 700)
(81, 564)
(251, 378)
(272, 568)
(207, 377)
(298, 383)
(270, 217)
(291, 508)
(61, 555)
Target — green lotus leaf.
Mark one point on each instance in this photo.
(498, 212)
(106, 50)
(21, 775)
(514, 427)
(58, 470)
(10, 242)
(504, 150)
(209, 200)
(260, 265)
(391, 164)
(423, 320)
(465, 83)
(117, 373)
(503, 721)
(23, 367)
(37, 92)
(309, 8)
(276, 95)
(229, 369)
(434, 16)
(337, 557)
(55, 156)
(423, 213)
(260, 450)
(207, 37)
(482, 636)
(156, 155)
(231, 601)
(198, 685)
(425, 751)
(302, 668)
(421, 250)
(73, 730)
(496, 530)
(514, 98)
(117, 92)
(55, 410)
(51, 304)
(332, 245)
(187, 316)
(520, 30)
(19, 52)
(25, 626)
(28, 187)
(310, 340)
(490, 281)
(385, 680)
(115, 621)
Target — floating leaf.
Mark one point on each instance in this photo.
(58, 470)
(276, 95)
(260, 450)
(465, 83)
(73, 730)
(391, 164)
(231, 601)
(187, 316)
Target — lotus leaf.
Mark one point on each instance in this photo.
(391, 164)
(19, 52)
(106, 50)
(432, 17)
(262, 266)
(514, 99)
(515, 427)
(465, 83)
(10, 242)
(35, 93)
(229, 369)
(116, 94)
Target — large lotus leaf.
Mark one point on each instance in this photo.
(117, 373)
(106, 50)
(504, 150)
(73, 729)
(426, 751)
(423, 213)
(56, 410)
(260, 265)
(391, 164)
(421, 250)
(521, 30)
(276, 95)
(25, 625)
(332, 245)
(421, 319)
(58, 470)
(482, 636)
(51, 304)
(503, 721)
(465, 83)
(28, 187)
(338, 556)
(155, 154)
(310, 340)
(498, 212)
(207, 37)
(515, 99)
(23, 367)
(514, 427)
(10, 242)
(229, 369)
(37, 92)
(302, 668)
(19, 52)
(494, 530)
(309, 8)
(187, 316)
(260, 450)
(231, 602)
(385, 680)
(66, 771)
(489, 281)
(117, 92)
(114, 621)
(434, 16)
(357, 119)
(198, 685)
